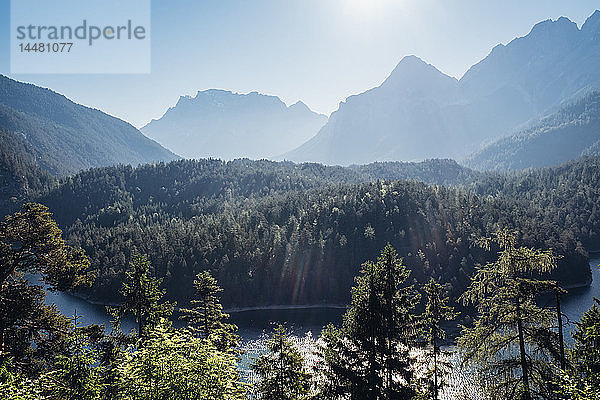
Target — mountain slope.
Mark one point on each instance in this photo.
(20, 176)
(420, 113)
(553, 62)
(222, 124)
(370, 126)
(64, 137)
(571, 132)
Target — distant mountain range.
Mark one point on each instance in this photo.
(571, 132)
(226, 125)
(63, 137)
(542, 85)
(418, 112)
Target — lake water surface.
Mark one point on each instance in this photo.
(254, 323)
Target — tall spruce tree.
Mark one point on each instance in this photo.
(281, 370)
(206, 318)
(368, 358)
(512, 340)
(76, 374)
(142, 297)
(437, 310)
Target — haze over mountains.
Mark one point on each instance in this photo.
(226, 125)
(418, 112)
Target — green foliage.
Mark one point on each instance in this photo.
(512, 341)
(176, 365)
(582, 380)
(142, 297)
(330, 376)
(76, 373)
(20, 177)
(252, 223)
(31, 332)
(574, 389)
(437, 311)
(206, 318)
(15, 386)
(281, 370)
(586, 351)
(369, 358)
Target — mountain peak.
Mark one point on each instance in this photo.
(412, 59)
(224, 124)
(592, 24)
(213, 93)
(300, 105)
(412, 68)
(410, 64)
(561, 26)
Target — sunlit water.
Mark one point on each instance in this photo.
(306, 323)
(252, 324)
(578, 300)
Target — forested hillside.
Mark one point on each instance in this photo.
(63, 137)
(20, 176)
(571, 132)
(280, 233)
(564, 198)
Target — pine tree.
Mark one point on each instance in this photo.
(436, 311)
(174, 365)
(281, 370)
(207, 318)
(142, 297)
(512, 339)
(31, 332)
(76, 374)
(582, 381)
(369, 357)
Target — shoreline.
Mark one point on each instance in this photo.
(286, 307)
(232, 309)
(578, 285)
(593, 256)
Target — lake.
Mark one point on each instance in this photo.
(254, 323)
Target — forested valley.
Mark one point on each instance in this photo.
(423, 255)
(307, 228)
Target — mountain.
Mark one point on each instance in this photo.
(226, 125)
(63, 137)
(418, 112)
(567, 134)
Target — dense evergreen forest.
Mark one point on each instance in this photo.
(307, 228)
(20, 177)
(188, 238)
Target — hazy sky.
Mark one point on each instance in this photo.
(317, 51)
